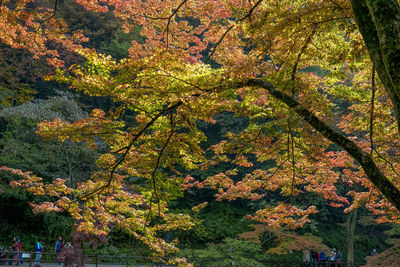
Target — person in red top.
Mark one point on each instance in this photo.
(339, 258)
(20, 250)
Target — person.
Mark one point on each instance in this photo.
(3, 255)
(39, 251)
(20, 250)
(374, 253)
(333, 257)
(232, 256)
(306, 258)
(314, 258)
(322, 259)
(339, 258)
(59, 246)
(15, 252)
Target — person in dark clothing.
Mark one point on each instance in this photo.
(374, 253)
(314, 258)
(59, 246)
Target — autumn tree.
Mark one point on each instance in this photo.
(340, 126)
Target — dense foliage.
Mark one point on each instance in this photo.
(274, 109)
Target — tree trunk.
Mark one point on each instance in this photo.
(351, 227)
(379, 24)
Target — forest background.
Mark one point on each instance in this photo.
(222, 229)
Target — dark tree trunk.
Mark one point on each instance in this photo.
(379, 24)
(351, 227)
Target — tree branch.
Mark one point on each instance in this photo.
(120, 160)
(170, 18)
(54, 12)
(153, 175)
(367, 163)
(230, 28)
(371, 117)
(301, 52)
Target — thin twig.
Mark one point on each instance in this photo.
(371, 124)
(181, 80)
(293, 163)
(124, 155)
(371, 118)
(276, 170)
(153, 175)
(170, 18)
(301, 52)
(54, 12)
(230, 28)
(387, 161)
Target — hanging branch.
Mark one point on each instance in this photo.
(291, 145)
(153, 175)
(388, 162)
(371, 124)
(54, 12)
(293, 162)
(371, 117)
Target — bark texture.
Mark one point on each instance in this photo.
(351, 228)
(379, 24)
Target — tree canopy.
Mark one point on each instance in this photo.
(302, 72)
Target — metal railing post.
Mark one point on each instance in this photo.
(30, 258)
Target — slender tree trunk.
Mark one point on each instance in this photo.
(351, 227)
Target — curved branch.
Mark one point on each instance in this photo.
(120, 160)
(54, 12)
(391, 192)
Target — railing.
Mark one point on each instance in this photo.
(92, 259)
(125, 260)
(222, 262)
